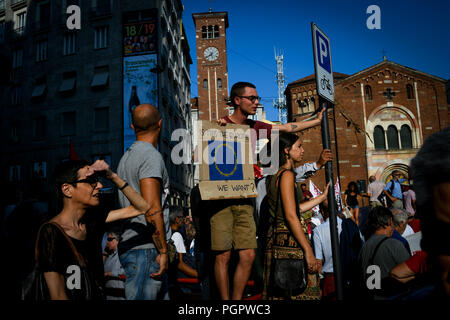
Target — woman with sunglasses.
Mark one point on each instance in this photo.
(69, 245)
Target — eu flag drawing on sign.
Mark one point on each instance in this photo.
(225, 160)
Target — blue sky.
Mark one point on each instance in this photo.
(414, 33)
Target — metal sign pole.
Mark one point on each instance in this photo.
(332, 205)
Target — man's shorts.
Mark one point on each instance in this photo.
(233, 227)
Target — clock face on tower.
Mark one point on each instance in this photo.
(211, 53)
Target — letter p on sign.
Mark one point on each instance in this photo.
(323, 50)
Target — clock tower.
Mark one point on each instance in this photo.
(212, 69)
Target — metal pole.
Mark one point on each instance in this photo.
(337, 156)
(332, 206)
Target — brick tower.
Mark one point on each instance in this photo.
(212, 69)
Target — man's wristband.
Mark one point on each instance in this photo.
(124, 186)
(165, 252)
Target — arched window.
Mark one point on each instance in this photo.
(216, 31)
(405, 137)
(219, 83)
(409, 91)
(378, 138)
(210, 32)
(205, 84)
(392, 138)
(368, 92)
(204, 33)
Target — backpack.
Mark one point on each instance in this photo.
(384, 199)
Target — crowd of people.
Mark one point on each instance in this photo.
(148, 250)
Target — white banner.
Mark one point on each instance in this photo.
(337, 195)
(315, 192)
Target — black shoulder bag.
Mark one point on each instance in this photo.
(289, 272)
(35, 288)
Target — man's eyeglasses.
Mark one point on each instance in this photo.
(110, 239)
(92, 180)
(251, 98)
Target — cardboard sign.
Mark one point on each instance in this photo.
(225, 161)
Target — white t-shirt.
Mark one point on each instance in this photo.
(178, 241)
(408, 231)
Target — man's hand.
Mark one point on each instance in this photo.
(163, 261)
(325, 156)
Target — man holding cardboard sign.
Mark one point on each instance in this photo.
(234, 225)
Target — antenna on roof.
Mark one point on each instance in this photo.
(384, 55)
(210, 5)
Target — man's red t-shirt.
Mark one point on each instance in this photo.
(417, 263)
(255, 124)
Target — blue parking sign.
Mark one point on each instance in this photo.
(322, 64)
(324, 51)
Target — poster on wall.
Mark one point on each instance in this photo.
(139, 32)
(140, 85)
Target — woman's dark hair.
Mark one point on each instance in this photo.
(378, 218)
(286, 140)
(66, 172)
(352, 183)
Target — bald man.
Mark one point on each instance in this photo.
(142, 166)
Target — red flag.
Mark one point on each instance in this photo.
(257, 171)
(73, 155)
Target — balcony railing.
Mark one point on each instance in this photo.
(13, 2)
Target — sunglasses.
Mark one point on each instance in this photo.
(110, 239)
(251, 98)
(92, 180)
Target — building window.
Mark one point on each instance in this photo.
(17, 58)
(101, 77)
(39, 127)
(368, 92)
(41, 50)
(205, 84)
(69, 43)
(43, 14)
(14, 131)
(219, 83)
(216, 31)
(68, 123)
(2, 4)
(204, 33)
(405, 137)
(392, 138)
(69, 82)
(16, 96)
(101, 37)
(210, 32)
(101, 119)
(20, 19)
(40, 88)
(378, 138)
(2, 31)
(409, 91)
(14, 173)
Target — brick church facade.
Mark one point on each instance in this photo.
(383, 114)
